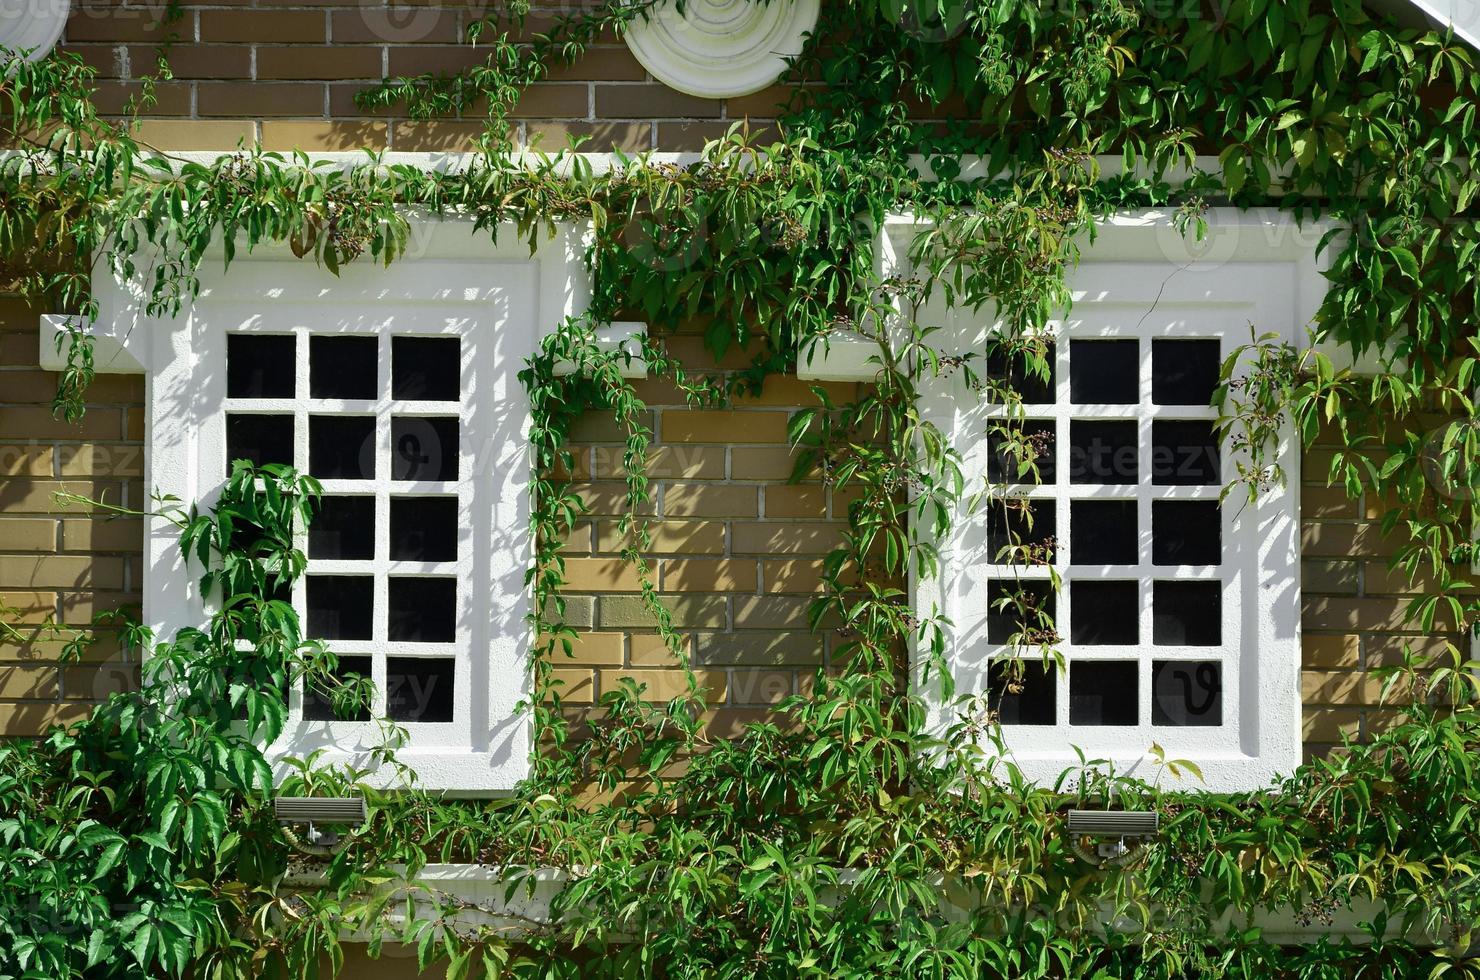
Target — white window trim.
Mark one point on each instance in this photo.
(1154, 267)
(449, 263)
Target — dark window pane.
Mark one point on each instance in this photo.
(1102, 452)
(1105, 612)
(341, 607)
(343, 367)
(1184, 453)
(1104, 372)
(424, 528)
(1002, 465)
(260, 365)
(425, 368)
(1025, 693)
(1011, 367)
(1008, 524)
(423, 610)
(419, 689)
(1186, 532)
(341, 447)
(1187, 613)
(260, 439)
(1184, 372)
(343, 527)
(423, 448)
(318, 706)
(1103, 693)
(1187, 692)
(1102, 532)
(1029, 612)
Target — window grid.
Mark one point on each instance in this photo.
(1144, 491)
(419, 692)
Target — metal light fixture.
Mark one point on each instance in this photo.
(314, 811)
(1110, 830)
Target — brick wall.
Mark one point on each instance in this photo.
(285, 72)
(58, 567)
(1351, 612)
(736, 549)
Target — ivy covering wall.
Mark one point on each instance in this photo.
(140, 843)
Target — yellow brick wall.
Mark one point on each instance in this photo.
(286, 73)
(736, 551)
(58, 567)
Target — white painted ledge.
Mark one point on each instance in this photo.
(619, 335)
(110, 356)
(488, 897)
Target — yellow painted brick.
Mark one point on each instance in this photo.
(1330, 724)
(709, 500)
(766, 463)
(123, 534)
(101, 460)
(796, 501)
(1376, 614)
(1389, 651)
(196, 134)
(43, 645)
(36, 422)
(1342, 540)
(785, 539)
(1337, 687)
(29, 720)
(1379, 579)
(609, 498)
(97, 683)
(1328, 577)
(724, 427)
(604, 649)
(323, 135)
(594, 426)
(708, 575)
(664, 685)
(27, 607)
(789, 390)
(668, 537)
(133, 428)
(24, 460)
(651, 650)
(1318, 650)
(574, 686)
(600, 575)
(794, 646)
(794, 575)
(39, 496)
(1326, 502)
(31, 682)
(1379, 721)
(54, 572)
(27, 534)
(663, 462)
(759, 686)
(81, 607)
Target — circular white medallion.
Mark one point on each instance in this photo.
(33, 25)
(719, 49)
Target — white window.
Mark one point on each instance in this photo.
(398, 388)
(1178, 616)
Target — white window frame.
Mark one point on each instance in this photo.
(452, 280)
(1139, 277)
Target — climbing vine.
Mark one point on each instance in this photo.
(836, 839)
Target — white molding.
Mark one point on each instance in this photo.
(1139, 278)
(619, 335)
(514, 902)
(720, 49)
(32, 24)
(455, 275)
(110, 356)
